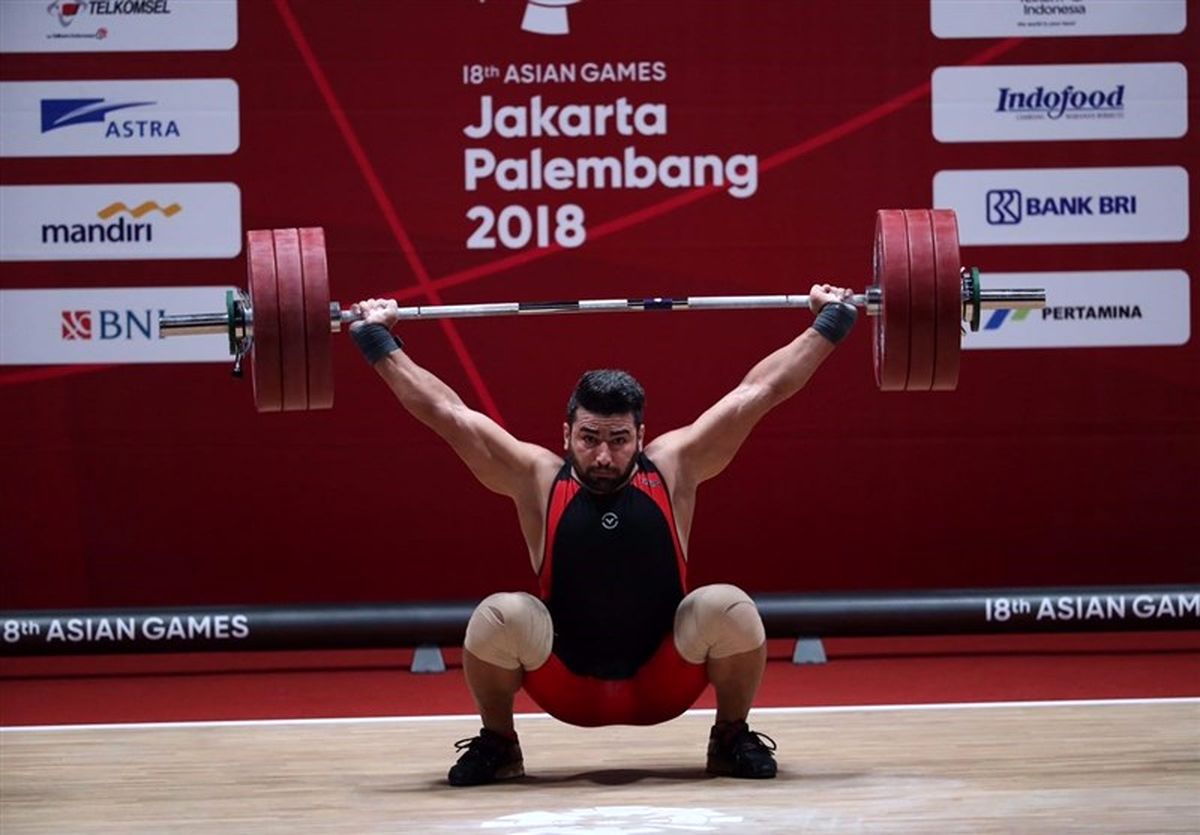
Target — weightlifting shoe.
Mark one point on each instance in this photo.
(486, 758)
(736, 751)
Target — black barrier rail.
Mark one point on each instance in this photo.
(231, 628)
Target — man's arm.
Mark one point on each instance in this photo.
(502, 463)
(698, 452)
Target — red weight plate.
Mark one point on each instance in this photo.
(891, 323)
(316, 318)
(949, 300)
(922, 296)
(293, 338)
(265, 369)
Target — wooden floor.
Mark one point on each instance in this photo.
(1054, 768)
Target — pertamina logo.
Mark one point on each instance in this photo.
(1066, 313)
(1008, 207)
(114, 324)
(122, 230)
(62, 113)
(1106, 308)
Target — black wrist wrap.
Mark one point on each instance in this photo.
(374, 340)
(835, 320)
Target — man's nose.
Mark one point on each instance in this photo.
(603, 454)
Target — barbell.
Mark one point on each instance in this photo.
(919, 299)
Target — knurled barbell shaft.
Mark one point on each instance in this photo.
(191, 324)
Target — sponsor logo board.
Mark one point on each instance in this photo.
(1055, 18)
(1066, 205)
(118, 118)
(1090, 310)
(117, 25)
(1052, 102)
(120, 221)
(105, 325)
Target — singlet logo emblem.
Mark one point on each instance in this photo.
(609, 521)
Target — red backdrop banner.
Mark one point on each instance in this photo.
(455, 153)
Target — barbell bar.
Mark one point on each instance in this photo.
(919, 300)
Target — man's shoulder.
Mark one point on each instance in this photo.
(547, 467)
(664, 448)
(666, 455)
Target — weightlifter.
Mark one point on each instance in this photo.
(615, 636)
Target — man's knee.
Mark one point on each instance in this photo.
(715, 622)
(511, 630)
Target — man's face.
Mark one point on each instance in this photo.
(603, 448)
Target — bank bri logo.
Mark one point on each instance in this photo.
(1003, 206)
(62, 113)
(1069, 102)
(1008, 206)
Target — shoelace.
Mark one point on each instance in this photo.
(465, 743)
(754, 739)
(484, 746)
(469, 743)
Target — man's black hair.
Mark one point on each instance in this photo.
(608, 391)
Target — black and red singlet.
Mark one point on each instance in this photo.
(613, 572)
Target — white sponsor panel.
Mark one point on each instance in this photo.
(120, 221)
(1050, 102)
(117, 25)
(118, 118)
(105, 325)
(1055, 18)
(1090, 310)
(1066, 205)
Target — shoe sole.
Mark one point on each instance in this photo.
(506, 773)
(723, 770)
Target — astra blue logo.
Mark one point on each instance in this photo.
(1007, 206)
(61, 113)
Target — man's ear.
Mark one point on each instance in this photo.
(566, 436)
(641, 436)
